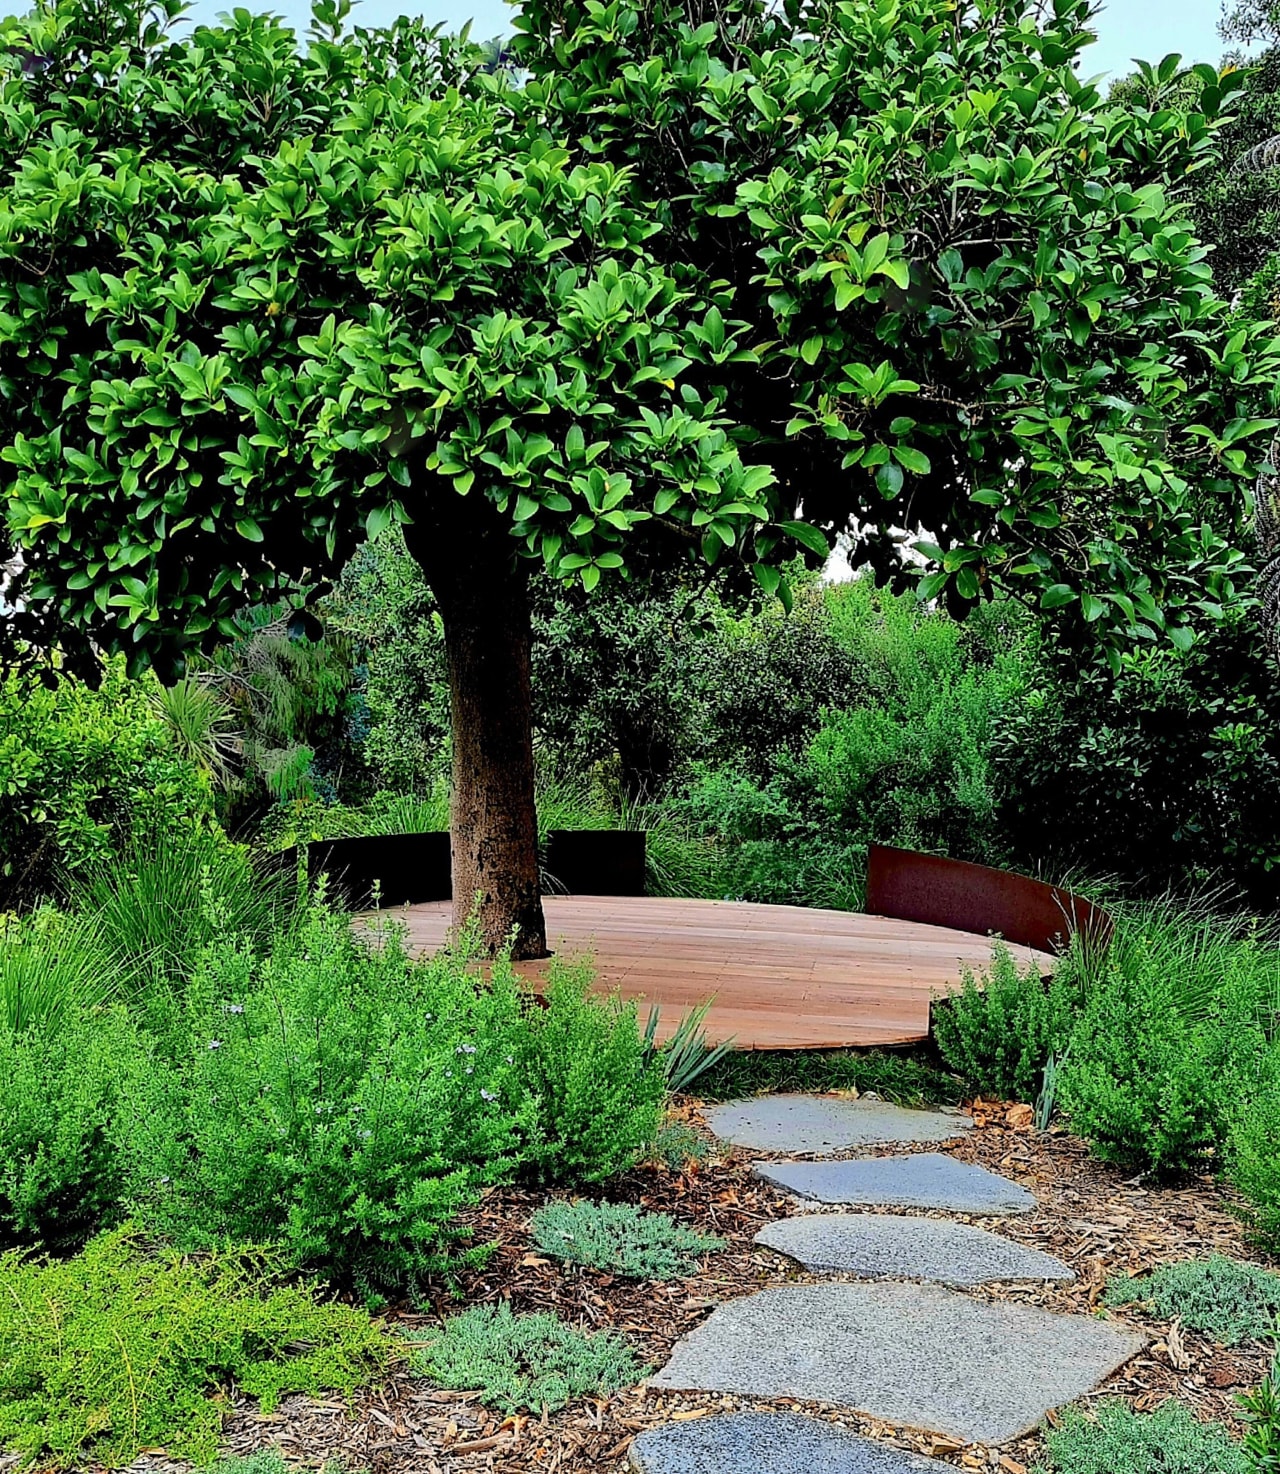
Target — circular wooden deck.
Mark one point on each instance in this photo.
(781, 977)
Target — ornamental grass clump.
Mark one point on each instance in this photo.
(1228, 1302)
(535, 1362)
(119, 1348)
(620, 1239)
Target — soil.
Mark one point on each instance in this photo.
(1091, 1215)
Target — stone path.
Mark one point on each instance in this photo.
(924, 1180)
(884, 1245)
(914, 1355)
(769, 1443)
(818, 1125)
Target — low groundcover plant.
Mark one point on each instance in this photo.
(118, 1348)
(538, 1362)
(620, 1239)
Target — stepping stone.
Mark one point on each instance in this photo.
(879, 1245)
(820, 1125)
(913, 1355)
(769, 1443)
(925, 1180)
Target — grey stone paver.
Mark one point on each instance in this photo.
(915, 1355)
(769, 1443)
(924, 1180)
(819, 1124)
(884, 1244)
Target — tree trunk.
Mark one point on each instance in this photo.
(481, 589)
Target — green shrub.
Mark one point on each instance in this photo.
(61, 1095)
(334, 1099)
(1116, 1440)
(118, 1349)
(1000, 1031)
(1253, 1156)
(1148, 1083)
(597, 1091)
(525, 1361)
(82, 772)
(339, 1101)
(1225, 1301)
(620, 1239)
(1261, 1408)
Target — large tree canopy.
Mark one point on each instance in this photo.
(688, 279)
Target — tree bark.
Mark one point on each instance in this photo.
(482, 591)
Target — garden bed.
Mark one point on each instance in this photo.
(1090, 1215)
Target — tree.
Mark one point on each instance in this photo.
(689, 275)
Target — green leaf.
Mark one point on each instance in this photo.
(378, 520)
(249, 529)
(911, 459)
(1057, 595)
(889, 479)
(807, 536)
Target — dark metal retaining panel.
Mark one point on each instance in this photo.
(976, 898)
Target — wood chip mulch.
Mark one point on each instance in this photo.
(1090, 1215)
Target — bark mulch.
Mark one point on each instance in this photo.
(1090, 1215)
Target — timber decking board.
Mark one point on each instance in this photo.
(783, 977)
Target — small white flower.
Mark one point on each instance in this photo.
(487, 1095)
(470, 1071)
(215, 1043)
(234, 1008)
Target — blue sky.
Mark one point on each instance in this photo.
(1126, 28)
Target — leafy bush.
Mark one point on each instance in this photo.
(1226, 1301)
(1261, 1408)
(117, 1349)
(999, 1032)
(61, 1094)
(82, 772)
(1116, 1440)
(344, 1103)
(525, 1361)
(334, 1099)
(1149, 1081)
(1253, 1159)
(620, 1239)
(596, 1092)
(1167, 773)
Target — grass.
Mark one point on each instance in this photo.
(51, 965)
(155, 906)
(904, 1079)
